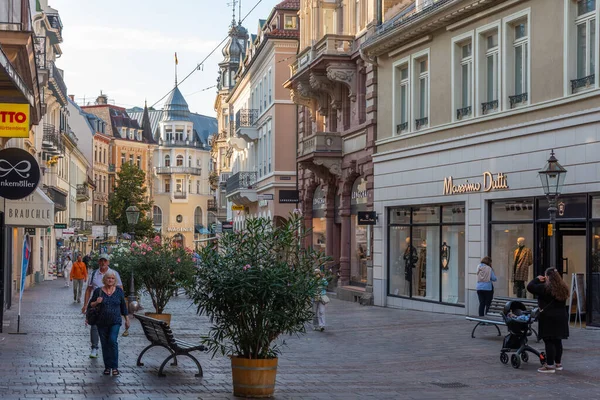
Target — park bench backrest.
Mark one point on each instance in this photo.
(498, 304)
(157, 331)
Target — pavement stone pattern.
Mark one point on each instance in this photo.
(365, 353)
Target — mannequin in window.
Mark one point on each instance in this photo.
(410, 258)
(522, 260)
(422, 270)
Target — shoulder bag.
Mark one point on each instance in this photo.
(92, 314)
(325, 299)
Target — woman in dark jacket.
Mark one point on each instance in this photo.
(552, 294)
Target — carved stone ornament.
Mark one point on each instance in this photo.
(334, 166)
(299, 99)
(321, 84)
(345, 74)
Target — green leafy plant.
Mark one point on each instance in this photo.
(160, 268)
(256, 285)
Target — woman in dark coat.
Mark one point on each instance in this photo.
(552, 294)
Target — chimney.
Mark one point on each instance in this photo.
(102, 99)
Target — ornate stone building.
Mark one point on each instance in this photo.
(335, 90)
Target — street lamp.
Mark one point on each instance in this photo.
(133, 215)
(553, 178)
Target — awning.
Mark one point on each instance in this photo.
(35, 210)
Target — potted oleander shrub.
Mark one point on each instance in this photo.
(160, 268)
(256, 285)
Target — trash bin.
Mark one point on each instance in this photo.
(38, 277)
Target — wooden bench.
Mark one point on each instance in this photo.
(160, 335)
(494, 316)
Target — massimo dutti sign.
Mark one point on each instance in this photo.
(488, 183)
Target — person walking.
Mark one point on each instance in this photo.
(78, 277)
(111, 300)
(95, 282)
(485, 287)
(319, 301)
(67, 270)
(552, 294)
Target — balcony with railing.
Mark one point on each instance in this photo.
(57, 84)
(58, 197)
(321, 143)
(112, 168)
(83, 193)
(195, 144)
(579, 84)
(329, 45)
(180, 195)
(245, 124)
(179, 170)
(52, 143)
(211, 205)
(241, 188)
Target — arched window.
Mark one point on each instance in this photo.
(167, 161)
(179, 160)
(157, 216)
(198, 216)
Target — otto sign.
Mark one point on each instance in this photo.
(14, 120)
(489, 183)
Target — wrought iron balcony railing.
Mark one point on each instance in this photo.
(421, 122)
(585, 82)
(463, 112)
(241, 180)
(181, 143)
(58, 197)
(15, 15)
(489, 106)
(212, 205)
(402, 127)
(39, 45)
(517, 99)
(180, 195)
(179, 170)
(57, 79)
(245, 117)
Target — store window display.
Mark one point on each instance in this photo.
(522, 262)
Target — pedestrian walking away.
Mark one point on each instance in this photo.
(320, 300)
(485, 287)
(552, 294)
(95, 282)
(67, 270)
(111, 301)
(79, 276)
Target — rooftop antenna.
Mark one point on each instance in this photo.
(240, 13)
(233, 3)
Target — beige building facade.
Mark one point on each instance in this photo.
(263, 167)
(473, 98)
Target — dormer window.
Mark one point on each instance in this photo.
(131, 132)
(139, 136)
(290, 22)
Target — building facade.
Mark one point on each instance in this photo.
(264, 120)
(180, 171)
(221, 151)
(335, 90)
(456, 169)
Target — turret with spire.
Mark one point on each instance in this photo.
(233, 53)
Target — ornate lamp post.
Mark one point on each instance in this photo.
(553, 178)
(133, 215)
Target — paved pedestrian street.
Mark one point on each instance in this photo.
(366, 353)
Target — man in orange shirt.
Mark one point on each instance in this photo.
(78, 276)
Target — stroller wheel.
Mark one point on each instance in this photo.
(524, 356)
(504, 358)
(515, 361)
(542, 358)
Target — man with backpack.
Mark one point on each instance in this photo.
(95, 282)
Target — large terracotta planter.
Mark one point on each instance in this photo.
(162, 317)
(253, 378)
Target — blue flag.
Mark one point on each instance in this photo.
(24, 263)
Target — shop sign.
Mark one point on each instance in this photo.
(263, 203)
(490, 182)
(60, 226)
(367, 217)
(268, 196)
(359, 192)
(179, 229)
(237, 208)
(68, 233)
(289, 196)
(227, 226)
(19, 173)
(14, 120)
(319, 199)
(30, 231)
(34, 210)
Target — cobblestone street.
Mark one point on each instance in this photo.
(366, 353)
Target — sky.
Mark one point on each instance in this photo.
(126, 48)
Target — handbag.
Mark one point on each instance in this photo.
(92, 315)
(324, 299)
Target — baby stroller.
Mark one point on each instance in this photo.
(518, 321)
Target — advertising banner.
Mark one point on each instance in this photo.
(14, 120)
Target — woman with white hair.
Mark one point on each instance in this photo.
(319, 301)
(111, 300)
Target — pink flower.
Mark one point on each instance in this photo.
(156, 239)
(143, 253)
(246, 267)
(178, 259)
